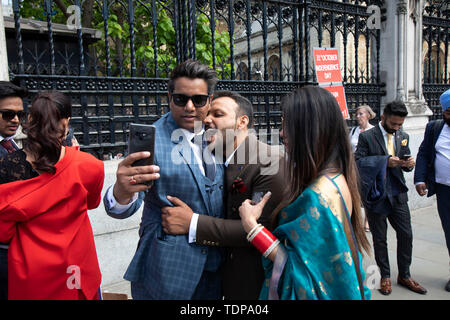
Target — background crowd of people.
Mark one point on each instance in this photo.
(256, 222)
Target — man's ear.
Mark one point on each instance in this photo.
(242, 122)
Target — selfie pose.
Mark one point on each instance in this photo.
(168, 266)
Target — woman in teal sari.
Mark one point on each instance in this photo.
(313, 253)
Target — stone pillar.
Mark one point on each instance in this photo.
(401, 12)
(414, 100)
(4, 73)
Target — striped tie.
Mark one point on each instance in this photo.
(7, 144)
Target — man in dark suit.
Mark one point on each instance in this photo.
(387, 139)
(433, 166)
(11, 112)
(252, 169)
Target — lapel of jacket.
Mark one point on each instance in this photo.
(184, 149)
(437, 133)
(241, 159)
(379, 138)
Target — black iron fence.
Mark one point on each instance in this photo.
(114, 58)
(436, 34)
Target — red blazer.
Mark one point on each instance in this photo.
(52, 251)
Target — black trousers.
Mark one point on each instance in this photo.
(400, 219)
(443, 205)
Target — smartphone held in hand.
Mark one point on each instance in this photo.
(257, 197)
(142, 138)
(405, 157)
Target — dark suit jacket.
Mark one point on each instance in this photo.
(243, 274)
(427, 154)
(3, 152)
(371, 143)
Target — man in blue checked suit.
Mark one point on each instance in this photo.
(168, 266)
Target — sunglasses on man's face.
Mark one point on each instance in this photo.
(8, 115)
(199, 100)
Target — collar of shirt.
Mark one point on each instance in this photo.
(7, 138)
(189, 135)
(384, 132)
(232, 154)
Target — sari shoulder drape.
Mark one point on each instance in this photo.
(319, 262)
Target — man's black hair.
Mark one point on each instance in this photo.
(244, 105)
(193, 69)
(8, 89)
(396, 108)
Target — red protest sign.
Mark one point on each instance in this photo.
(327, 65)
(339, 94)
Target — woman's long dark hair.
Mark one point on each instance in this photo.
(43, 129)
(317, 140)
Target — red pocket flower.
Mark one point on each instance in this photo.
(238, 186)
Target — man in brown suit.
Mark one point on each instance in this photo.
(252, 169)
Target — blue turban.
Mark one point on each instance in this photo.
(445, 100)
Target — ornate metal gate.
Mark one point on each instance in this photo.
(115, 65)
(436, 34)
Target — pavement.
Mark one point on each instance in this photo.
(430, 262)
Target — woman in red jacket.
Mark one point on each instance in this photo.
(45, 192)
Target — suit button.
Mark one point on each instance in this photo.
(231, 256)
(204, 251)
(233, 209)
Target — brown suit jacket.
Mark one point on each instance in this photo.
(243, 274)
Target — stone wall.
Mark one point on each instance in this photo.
(115, 239)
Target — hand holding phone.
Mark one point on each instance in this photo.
(405, 157)
(142, 138)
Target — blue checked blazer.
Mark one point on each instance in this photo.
(169, 266)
